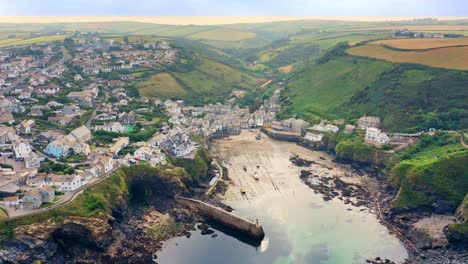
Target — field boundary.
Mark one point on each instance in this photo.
(418, 50)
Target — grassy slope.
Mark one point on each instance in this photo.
(412, 97)
(320, 89)
(161, 84)
(223, 34)
(214, 78)
(434, 170)
(95, 202)
(407, 97)
(206, 80)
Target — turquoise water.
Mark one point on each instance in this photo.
(300, 228)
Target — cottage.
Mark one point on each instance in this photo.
(6, 117)
(119, 144)
(107, 162)
(7, 134)
(313, 137)
(35, 180)
(349, 129)
(58, 148)
(127, 119)
(70, 110)
(81, 134)
(64, 183)
(375, 135)
(25, 127)
(81, 149)
(295, 125)
(54, 104)
(38, 110)
(32, 160)
(49, 135)
(47, 194)
(150, 154)
(11, 201)
(21, 149)
(60, 119)
(104, 117)
(77, 77)
(51, 88)
(32, 200)
(183, 149)
(323, 127)
(368, 121)
(111, 127)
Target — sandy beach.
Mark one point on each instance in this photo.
(268, 159)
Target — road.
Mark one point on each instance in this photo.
(65, 201)
(220, 177)
(93, 115)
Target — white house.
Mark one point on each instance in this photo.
(11, 201)
(111, 127)
(21, 149)
(64, 183)
(107, 162)
(81, 149)
(375, 135)
(322, 127)
(32, 160)
(145, 153)
(77, 77)
(313, 136)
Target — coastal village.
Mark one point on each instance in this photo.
(67, 122)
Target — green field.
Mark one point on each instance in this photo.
(211, 78)
(160, 84)
(205, 81)
(223, 34)
(44, 39)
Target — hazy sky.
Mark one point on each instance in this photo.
(233, 8)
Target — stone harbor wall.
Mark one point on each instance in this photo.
(281, 135)
(223, 217)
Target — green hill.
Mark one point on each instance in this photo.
(407, 97)
(202, 80)
(433, 171)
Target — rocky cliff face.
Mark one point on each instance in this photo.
(457, 233)
(58, 242)
(115, 235)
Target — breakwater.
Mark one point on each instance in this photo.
(223, 217)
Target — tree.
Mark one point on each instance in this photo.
(125, 39)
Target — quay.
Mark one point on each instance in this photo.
(249, 228)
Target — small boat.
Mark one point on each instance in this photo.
(256, 176)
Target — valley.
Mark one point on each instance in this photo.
(374, 113)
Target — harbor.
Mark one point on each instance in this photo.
(299, 226)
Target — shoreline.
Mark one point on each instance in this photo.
(378, 201)
(361, 188)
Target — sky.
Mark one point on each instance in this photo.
(354, 8)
